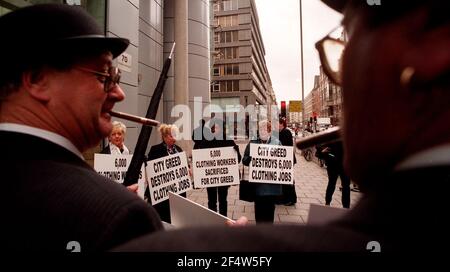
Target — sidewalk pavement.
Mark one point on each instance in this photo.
(310, 182)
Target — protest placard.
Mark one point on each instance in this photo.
(271, 164)
(115, 168)
(213, 167)
(168, 174)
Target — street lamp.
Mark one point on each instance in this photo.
(301, 61)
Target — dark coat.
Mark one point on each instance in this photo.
(262, 189)
(106, 150)
(160, 150)
(52, 197)
(200, 136)
(163, 208)
(334, 157)
(285, 137)
(385, 215)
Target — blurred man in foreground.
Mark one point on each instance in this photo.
(395, 75)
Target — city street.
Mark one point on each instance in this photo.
(311, 183)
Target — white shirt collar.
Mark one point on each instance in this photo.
(44, 134)
(436, 156)
(115, 150)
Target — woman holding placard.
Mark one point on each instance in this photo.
(167, 147)
(266, 194)
(219, 139)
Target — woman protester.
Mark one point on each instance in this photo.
(266, 194)
(219, 139)
(165, 148)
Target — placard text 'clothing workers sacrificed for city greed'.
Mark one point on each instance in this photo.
(214, 167)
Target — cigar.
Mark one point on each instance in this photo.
(134, 118)
(329, 135)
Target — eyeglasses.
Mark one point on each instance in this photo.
(111, 77)
(330, 54)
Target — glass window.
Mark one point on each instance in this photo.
(228, 54)
(235, 85)
(229, 69)
(227, 36)
(96, 8)
(228, 20)
(216, 87)
(226, 5)
(229, 86)
(236, 69)
(223, 86)
(234, 20)
(229, 5)
(235, 36)
(216, 71)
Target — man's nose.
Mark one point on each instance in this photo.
(117, 94)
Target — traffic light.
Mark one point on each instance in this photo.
(283, 108)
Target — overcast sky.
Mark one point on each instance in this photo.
(280, 28)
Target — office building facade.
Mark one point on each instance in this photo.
(239, 75)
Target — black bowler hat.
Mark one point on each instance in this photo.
(337, 5)
(42, 29)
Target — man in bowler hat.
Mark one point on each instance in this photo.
(57, 88)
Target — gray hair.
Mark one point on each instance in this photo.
(120, 125)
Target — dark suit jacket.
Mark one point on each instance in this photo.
(51, 196)
(106, 150)
(389, 214)
(334, 158)
(200, 136)
(163, 208)
(286, 139)
(159, 151)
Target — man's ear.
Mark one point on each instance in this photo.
(429, 56)
(36, 84)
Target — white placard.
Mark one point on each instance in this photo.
(115, 167)
(215, 167)
(168, 174)
(271, 164)
(187, 213)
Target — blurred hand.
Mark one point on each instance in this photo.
(242, 221)
(133, 188)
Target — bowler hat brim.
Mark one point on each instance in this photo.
(337, 5)
(113, 44)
